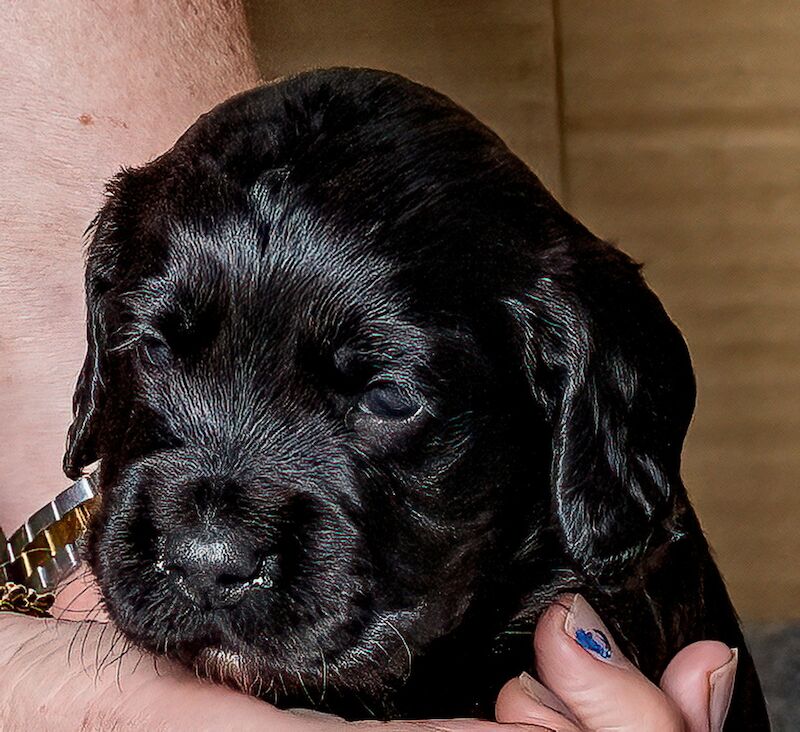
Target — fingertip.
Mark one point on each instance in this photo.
(689, 681)
(556, 654)
(571, 639)
(517, 705)
(552, 620)
(507, 699)
(577, 657)
(697, 659)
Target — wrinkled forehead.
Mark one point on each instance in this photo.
(291, 273)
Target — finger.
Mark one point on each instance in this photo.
(524, 700)
(440, 725)
(578, 659)
(700, 682)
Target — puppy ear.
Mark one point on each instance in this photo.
(613, 375)
(89, 396)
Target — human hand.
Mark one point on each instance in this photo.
(590, 685)
(69, 674)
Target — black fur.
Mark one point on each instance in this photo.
(247, 289)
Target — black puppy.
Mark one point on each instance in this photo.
(367, 399)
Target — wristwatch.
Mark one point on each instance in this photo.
(46, 548)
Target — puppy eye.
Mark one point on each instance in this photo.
(154, 352)
(387, 400)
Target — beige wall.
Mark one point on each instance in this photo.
(681, 133)
(496, 58)
(674, 129)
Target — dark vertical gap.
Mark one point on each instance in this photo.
(563, 162)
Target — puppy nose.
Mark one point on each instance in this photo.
(211, 567)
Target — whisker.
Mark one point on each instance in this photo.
(87, 626)
(69, 605)
(127, 648)
(97, 649)
(324, 675)
(78, 628)
(257, 690)
(82, 575)
(117, 637)
(78, 575)
(357, 696)
(305, 689)
(138, 661)
(405, 645)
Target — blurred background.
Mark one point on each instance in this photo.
(673, 129)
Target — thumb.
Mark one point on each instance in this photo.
(700, 681)
(578, 659)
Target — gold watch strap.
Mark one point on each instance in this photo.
(16, 598)
(45, 549)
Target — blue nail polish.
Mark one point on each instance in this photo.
(595, 641)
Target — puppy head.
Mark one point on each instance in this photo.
(358, 384)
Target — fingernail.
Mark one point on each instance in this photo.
(542, 695)
(583, 625)
(313, 714)
(721, 686)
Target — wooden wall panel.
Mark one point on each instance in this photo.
(682, 142)
(497, 59)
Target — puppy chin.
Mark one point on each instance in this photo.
(232, 668)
